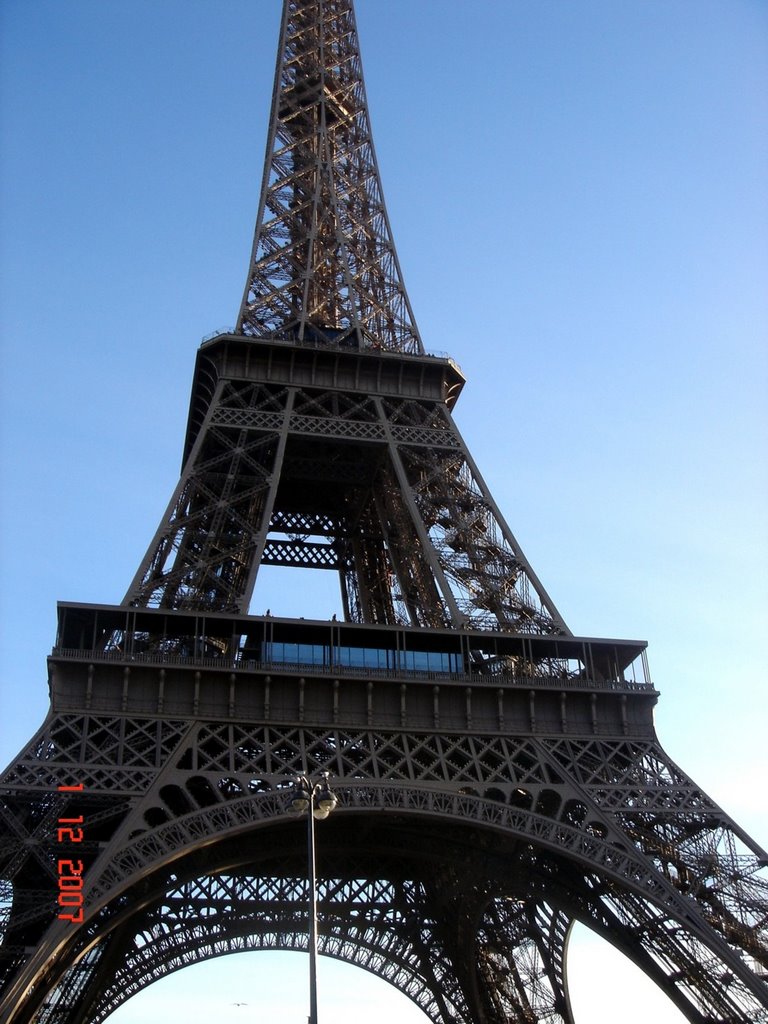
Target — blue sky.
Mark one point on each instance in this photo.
(577, 190)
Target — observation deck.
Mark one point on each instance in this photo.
(116, 658)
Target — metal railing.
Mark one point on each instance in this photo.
(245, 665)
(315, 343)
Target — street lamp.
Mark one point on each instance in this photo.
(319, 798)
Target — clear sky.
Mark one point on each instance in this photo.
(577, 190)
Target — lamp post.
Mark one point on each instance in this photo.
(319, 800)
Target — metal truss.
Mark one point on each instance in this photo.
(518, 838)
(521, 948)
(324, 267)
(498, 778)
(383, 491)
(205, 552)
(382, 926)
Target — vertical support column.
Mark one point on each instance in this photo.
(510, 538)
(162, 532)
(426, 545)
(521, 967)
(269, 504)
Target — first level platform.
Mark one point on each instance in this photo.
(153, 661)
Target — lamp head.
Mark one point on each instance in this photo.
(325, 799)
(300, 796)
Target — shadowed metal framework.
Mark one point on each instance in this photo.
(498, 777)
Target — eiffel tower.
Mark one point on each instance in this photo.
(498, 777)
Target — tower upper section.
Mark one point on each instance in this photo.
(324, 267)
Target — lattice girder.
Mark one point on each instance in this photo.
(227, 779)
(324, 267)
(376, 473)
(532, 981)
(498, 777)
(367, 922)
(206, 550)
(521, 949)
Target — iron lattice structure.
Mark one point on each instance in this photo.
(324, 267)
(499, 778)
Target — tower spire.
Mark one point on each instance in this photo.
(323, 267)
